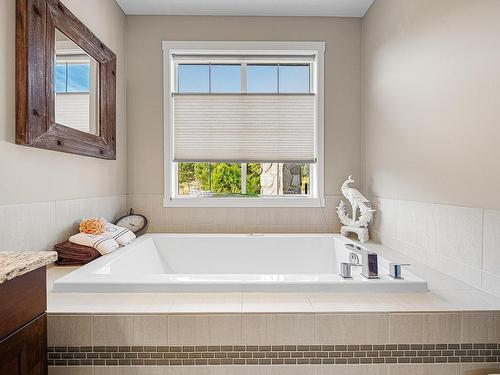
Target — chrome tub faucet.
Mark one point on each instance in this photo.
(369, 261)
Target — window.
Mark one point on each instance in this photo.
(244, 124)
(72, 77)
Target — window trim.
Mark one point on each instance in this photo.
(170, 48)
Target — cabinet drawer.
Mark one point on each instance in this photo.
(22, 299)
(24, 352)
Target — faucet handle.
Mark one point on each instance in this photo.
(345, 269)
(395, 269)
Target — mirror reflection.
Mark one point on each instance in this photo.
(76, 81)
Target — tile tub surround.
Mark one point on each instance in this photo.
(40, 225)
(462, 242)
(235, 219)
(17, 263)
(436, 340)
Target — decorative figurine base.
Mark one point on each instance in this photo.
(362, 232)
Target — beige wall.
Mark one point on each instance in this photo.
(44, 194)
(431, 132)
(145, 95)
(431, 106)
(34, 175)
(145, 117)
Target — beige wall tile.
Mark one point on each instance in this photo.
(27, 226)
(130, 330)
(204, 329)
(269, 329)
(52, 221)
(425, 328)
(70, 212)
(352, 370)
(491, 242)
(69, 370)
(69, 330)
(430, 369)
(384, 221)
(481, 327)
(352, 328)
(235, 219)
(414, 224)
(491, 283)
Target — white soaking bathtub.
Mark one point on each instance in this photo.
(231, 263)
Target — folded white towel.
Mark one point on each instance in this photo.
(121, 235)
(103, 243)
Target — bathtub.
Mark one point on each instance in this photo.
(231, 263)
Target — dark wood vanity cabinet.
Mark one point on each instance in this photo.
(23, 325)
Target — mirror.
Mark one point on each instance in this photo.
(76, 85)
(65, 83)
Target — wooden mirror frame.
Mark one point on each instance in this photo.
(36, 24)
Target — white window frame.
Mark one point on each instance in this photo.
(170, 48)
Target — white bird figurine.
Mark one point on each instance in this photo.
(357, 202)
(355, 198)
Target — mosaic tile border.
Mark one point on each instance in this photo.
(272, 355)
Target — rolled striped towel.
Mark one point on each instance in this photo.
(103, 243)
(121, 235)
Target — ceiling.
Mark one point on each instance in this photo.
(339, 8)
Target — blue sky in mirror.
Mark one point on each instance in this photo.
(194, 78)
(72, 78)
(60, 78)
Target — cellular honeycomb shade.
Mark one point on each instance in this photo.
(244, 128)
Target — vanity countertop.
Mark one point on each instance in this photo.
(17, 263)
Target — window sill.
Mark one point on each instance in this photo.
(244, 202)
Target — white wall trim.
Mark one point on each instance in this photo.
(170, 48)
